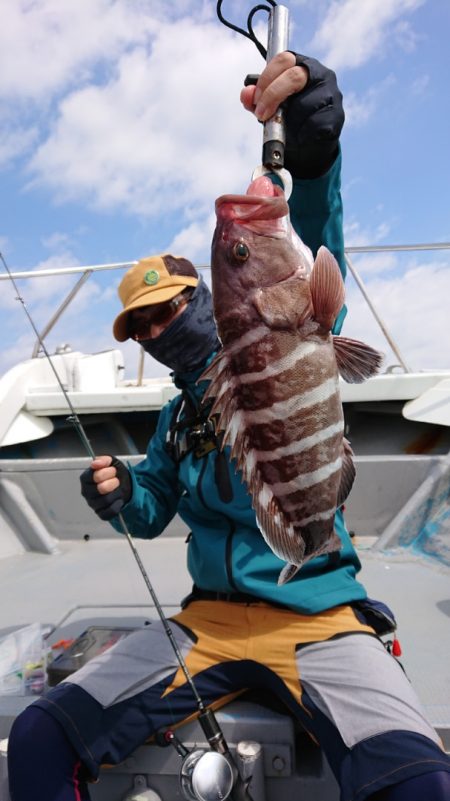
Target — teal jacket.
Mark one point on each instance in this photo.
(226, 551)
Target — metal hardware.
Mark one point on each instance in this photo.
(284, 176)
(274, 137)
(141, 791)
(206, 776)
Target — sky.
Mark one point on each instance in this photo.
(120, 123)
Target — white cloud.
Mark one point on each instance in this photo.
(405, 36)
(374, 263)
(194, 241)
(356, 235)
(43, 295)
(413, 307)
(353, 31)
(359, 109)
(420, 85)
(153, 137)
(56, 241)
(47, 44)
(15, 141)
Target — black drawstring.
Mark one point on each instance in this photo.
(249, 33)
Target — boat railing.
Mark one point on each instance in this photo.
(87, 271)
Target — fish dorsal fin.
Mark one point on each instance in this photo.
(214, 369)
(221, 391)
(348, 472)
(327, 288)
(356, 361)
(284, 305)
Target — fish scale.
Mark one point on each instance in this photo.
(274, 386)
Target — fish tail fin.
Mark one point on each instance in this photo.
(288, 572)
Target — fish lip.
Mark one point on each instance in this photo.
(260, 201)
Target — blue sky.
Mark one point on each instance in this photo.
(120, 123)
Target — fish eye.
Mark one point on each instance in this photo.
(240, 251)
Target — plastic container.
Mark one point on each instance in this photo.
(23, 661)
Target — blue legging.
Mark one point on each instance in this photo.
(428, 787)
(42, 764)
(41, 761)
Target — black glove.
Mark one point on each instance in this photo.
(107, 506)
(314, 119)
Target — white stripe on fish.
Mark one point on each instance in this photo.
(283, 409)
(327, 515)
(306, 480)
(298, 446)
(287, 362)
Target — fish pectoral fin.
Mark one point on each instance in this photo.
(327, 288)
(283, 305)
(356, 361)
(348, 473)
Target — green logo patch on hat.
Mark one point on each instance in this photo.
(151, 277)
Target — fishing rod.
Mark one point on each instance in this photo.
(211, 775)
(196, 770)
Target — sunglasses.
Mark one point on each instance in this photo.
(141, 320)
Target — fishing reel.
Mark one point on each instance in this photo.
(205, 775)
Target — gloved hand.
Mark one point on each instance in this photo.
(314, 113)
(106, 486)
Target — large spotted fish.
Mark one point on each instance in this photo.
(275, 383)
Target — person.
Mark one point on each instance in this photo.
(315, 641)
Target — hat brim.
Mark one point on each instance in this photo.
(150, 298)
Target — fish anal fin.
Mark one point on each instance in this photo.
(356, 361)
(284, 305)
(332, 544)
(327, 288)
(348, 472)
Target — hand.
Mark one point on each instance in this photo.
(106, 486)
(313, 110)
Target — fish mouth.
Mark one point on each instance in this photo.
(266, 216)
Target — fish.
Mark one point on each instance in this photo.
(273, 387)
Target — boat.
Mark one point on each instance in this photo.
(70, 584)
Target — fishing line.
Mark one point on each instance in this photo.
(206, 717)
(75, 420)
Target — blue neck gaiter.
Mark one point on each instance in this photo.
(191, 338)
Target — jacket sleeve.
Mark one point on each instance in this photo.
(155, 487)
(316, 214)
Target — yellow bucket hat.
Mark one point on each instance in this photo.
(155, 279)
